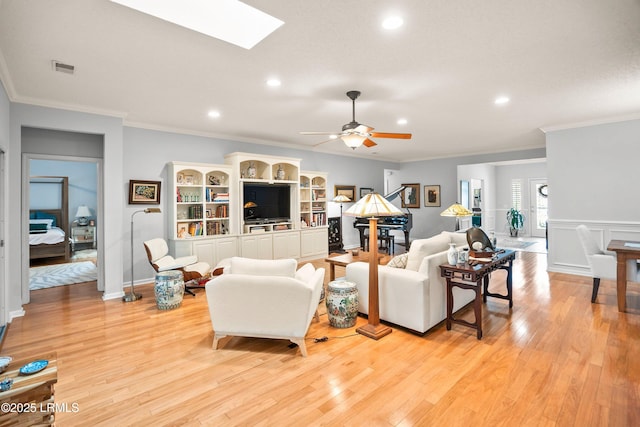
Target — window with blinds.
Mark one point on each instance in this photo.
(516, 194)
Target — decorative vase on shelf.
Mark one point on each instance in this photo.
(251, 171)
(280, 173)
(452, 254)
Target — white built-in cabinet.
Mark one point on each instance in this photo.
(207, 210)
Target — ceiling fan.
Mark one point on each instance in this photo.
(355, 134)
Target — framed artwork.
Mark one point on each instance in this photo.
(144, 192)
(347, 190)
(432, 195)
(364, 191)
(411, 196)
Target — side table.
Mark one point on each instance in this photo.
(31, 392)
(346, 259)
(475, 276)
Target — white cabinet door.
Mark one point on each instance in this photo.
(314, 243)
(286, 245)
(226, 248)
(205, 251)
(259, 246)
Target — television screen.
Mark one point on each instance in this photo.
(272, 202)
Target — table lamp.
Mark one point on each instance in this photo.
(82, 215)
(132, 296)
(457, 210)
(372, 206)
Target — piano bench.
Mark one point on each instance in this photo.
(387, 239)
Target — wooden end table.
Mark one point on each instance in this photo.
(345, 259)
(475, 277)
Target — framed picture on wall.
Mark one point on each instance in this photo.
(411, 196)
(432, 195)
(364, 191)
(144, 192)
(346, 190)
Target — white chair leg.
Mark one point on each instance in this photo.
(301, 344)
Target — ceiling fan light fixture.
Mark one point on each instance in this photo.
(353, 140)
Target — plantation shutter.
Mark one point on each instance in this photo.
(516, 194)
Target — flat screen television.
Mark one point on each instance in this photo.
(273, 203)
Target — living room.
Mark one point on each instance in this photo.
(590, 166)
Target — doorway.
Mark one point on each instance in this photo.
(538, 207)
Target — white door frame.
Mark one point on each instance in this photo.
(533, 207)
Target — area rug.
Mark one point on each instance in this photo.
(537, 245)
(62, 274)
(84, 254)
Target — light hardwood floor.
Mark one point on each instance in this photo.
(554, 359)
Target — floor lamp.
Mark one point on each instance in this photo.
(132, 296)
(372, 206)
(457, 210)
(341, 198)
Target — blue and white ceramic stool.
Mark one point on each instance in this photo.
(342, 303)
(169, 289)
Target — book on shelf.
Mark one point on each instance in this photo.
(222, 211)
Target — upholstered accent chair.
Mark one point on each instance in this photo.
(264, 299)
(159, 258)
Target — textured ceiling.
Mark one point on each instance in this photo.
(560, 62)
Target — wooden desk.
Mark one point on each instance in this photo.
(623, 254)
(345, 259)
(30, 401)
(473, 277)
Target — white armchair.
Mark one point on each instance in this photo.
(602, 265)
(264, 299)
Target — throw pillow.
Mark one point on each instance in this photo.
(399, 261)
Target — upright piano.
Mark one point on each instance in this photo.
(402, 222)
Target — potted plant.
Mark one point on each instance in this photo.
(515, 220)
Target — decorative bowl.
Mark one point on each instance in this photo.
(4, 363)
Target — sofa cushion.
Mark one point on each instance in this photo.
(399, 261)
(305, 273)
(263, 267)
(422, 247)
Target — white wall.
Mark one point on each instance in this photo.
(113, 188)
(592, 174)
(5, 108)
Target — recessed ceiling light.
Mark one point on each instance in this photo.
(274, 82)
(402, 121)
(501, 100)
(214, 114)
(229, 20)
(392, 22)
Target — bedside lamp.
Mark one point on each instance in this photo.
(82, 215)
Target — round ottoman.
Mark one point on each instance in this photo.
(169, 289)
(342, 303)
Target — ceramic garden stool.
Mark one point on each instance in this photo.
(169, 289)
(342, 303)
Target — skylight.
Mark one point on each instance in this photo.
(228, 20)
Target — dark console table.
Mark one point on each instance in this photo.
(473, 275)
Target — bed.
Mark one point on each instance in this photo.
(49, 228)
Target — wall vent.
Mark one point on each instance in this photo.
(62, 67)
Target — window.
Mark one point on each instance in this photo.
(516, 194)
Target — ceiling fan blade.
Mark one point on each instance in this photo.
(369, 143)
(319, 133)
(320, 143)
(391, 135)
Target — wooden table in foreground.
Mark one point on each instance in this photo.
(623, 254)
(345, 259)
(30, 401)
(473, 277)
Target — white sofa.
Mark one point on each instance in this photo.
(264, 299)
(415, 296)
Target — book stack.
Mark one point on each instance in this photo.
(222, 211)
(214, 228)
(195, 212)
(221, 197)
(195, 229)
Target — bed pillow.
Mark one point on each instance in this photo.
(44, 215)
(38, 228)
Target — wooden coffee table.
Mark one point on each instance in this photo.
(345, 259)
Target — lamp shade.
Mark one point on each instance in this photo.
(353, 140)
(250, 205)
(456, 209)
(341, 198)
(83, 212)
(372, 205)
